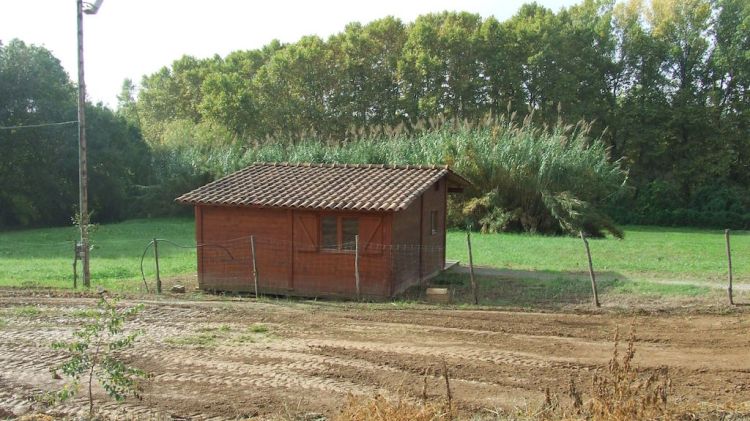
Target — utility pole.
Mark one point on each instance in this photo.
(83, 183)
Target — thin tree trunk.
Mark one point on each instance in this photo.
(94, 362)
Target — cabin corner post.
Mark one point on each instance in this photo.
(445, 220)
(390, 262)
(292, 251)
(420, 249)
(199, 242)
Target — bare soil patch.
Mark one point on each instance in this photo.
(271, 359)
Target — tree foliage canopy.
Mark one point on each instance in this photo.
(39, 164)
(663, 83)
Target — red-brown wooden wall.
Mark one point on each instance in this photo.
(396, 249)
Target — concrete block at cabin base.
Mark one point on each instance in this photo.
(178, 288)
(438, 295)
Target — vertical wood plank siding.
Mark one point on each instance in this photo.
(289, 258)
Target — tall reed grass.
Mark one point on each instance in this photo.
(524, 177)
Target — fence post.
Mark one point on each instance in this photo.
(356, 266)
(471, 269)
(729, 261)
(591, 270)
(156, 257)
(255, 265)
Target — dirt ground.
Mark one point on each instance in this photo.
(213, 359)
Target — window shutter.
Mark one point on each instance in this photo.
(306, 232)
(371, 235)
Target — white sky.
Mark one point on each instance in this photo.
(130, 38)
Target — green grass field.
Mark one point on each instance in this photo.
(646, 253)
(43, 257)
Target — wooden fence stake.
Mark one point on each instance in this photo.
(729, 261)
(75, 265)
(255, 264)
(156, 257)
(471, 269)
(356, 266)
(591, 270)
(448, 393)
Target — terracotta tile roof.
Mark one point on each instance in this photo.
(322, 186)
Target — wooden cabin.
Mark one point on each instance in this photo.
(320, 229)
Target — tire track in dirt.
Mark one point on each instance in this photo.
(497, 356)
(250, 366)
(39, 360)
(297, 357)
(322, 352)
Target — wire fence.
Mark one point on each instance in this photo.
(356, 268)
(375, 271)
(262, 265)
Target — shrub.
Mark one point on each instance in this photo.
(94, 355)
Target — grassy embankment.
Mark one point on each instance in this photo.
(649, 261)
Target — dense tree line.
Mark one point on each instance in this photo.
(665, 84)
(39, 161)
(662, 88)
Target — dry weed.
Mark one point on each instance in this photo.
(620, 393)
(381, 409)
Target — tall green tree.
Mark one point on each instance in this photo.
(730, 83)
(367, 92)
(229, 97)
(127, 106)
(173, 93)
(295, 88)
(440, 67)
(502, 68)
(39, 159)
(38, 173)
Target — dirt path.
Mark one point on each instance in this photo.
(243, 359)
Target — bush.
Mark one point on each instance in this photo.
(95, 354)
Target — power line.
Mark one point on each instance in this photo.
(31, 126)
